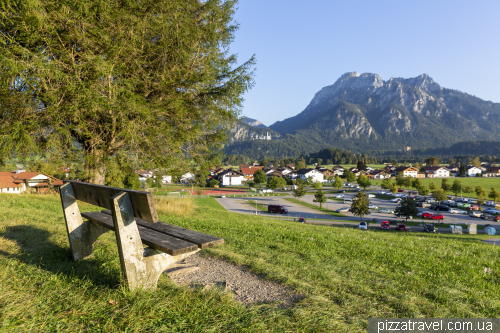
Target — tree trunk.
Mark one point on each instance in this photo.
(95, 168)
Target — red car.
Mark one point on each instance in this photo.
(437, 217)
(401, 226)
(496, 218)
(400, 190)
(427, 215)
(473, 207)
(385, 225)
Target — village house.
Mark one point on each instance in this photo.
(492, 172)
(421, 174)
(231, 177)
(472, 171)
(310, 173)
(20, 181)
(380, 174)
(437, 172)
(249, 172)
(338, 170)
(406, 171)
(186, 178)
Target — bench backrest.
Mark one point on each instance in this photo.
(98, 195)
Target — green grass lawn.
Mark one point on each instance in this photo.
(323, 210)
(345, 275)
(255, 204)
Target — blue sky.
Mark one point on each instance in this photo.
(302, 46)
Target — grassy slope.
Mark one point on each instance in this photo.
(347, 276)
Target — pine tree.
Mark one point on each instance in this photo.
(152, 78)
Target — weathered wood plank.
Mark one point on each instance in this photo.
(202, 240)
(157, 240)
(98, 195)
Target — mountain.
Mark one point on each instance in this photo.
(249, 129)
(253, 122)
(363, 113)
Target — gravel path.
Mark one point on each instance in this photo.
(198, 271)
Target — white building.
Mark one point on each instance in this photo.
(472, 171)
(231, 177)
(186, 178)
(437, 172)
(311, 173)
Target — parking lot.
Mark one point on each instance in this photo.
(297, 210)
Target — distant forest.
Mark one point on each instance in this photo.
(488, 151)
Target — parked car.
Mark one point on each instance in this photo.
(475, 214)
(473, 207)
(267, 190)
(403, 216)
(277, 209)
(385, 225)
(427, 215)
(437, 217)
(453, 204)
(342, 210)
(401, 227)
(301, 220)
(401, 190)
(457, 211)
(440, 208)
(486, 217)
(223, 196)
(385, 210)
(358, 190)
(496, 218)
(490, 203)
(341, 191)
(396, 200)
(381, 192)
(372, 207)
(420, 214)
(464, 205)
(371, 195)
(339, 196)
(429, 228)
(362, 225)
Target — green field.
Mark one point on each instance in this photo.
(345, 275)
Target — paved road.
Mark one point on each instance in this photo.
(238, 205)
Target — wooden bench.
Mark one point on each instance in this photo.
(132, 215)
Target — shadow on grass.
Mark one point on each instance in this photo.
(36, 249)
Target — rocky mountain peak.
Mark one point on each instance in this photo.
(253, 122)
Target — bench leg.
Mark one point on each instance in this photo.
(141, 267)
(81, 234)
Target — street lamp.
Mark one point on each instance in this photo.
(461, 196)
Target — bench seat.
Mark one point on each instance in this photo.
(157, 240)
(202, 240)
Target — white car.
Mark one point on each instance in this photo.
(342, 210)
(381, 192)
(398, 195)
(475, 214)
(371, 195)
(396, 200)
(372, 207)
(223, 196)
(490, 203)
(385, 210)
(403, 217)
(457, 211)
(339, 196)
(362, 225)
